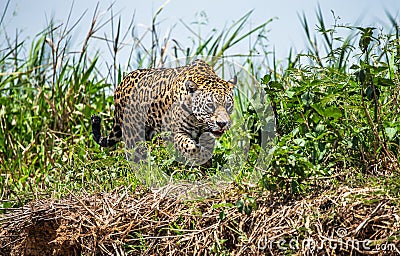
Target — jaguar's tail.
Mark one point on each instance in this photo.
(114, 136)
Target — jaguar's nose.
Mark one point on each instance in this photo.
(221, 124)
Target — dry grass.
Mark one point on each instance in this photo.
(146, 223)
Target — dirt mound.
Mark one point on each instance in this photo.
(357, 221)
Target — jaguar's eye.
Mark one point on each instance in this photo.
(210, 107)
(229, 106)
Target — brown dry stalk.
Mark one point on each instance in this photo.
(120, 223)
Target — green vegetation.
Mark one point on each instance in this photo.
(49, 90)
(337, 110)
(336, 107)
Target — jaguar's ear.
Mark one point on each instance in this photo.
(233, 81)
(191, 86)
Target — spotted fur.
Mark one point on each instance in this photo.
(191, 102)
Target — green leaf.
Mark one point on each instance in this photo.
(390, 132)
(275, 85)
(333, 112)
(266, 79)
(354, 66)
(222, 215)
(300, 142)
(290, 94)
(320, 128)
(240, 205)
(318, 108)
(248, 209)
(384, 81)
(307, 98)
(89, 71)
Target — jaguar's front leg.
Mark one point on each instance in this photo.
(196, 153)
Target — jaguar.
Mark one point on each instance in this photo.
(191, 103)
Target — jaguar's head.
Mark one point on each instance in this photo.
(212, 102)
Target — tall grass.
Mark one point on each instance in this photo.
(49, 88)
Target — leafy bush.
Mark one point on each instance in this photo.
(333, 117)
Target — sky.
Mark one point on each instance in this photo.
(29, 17)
